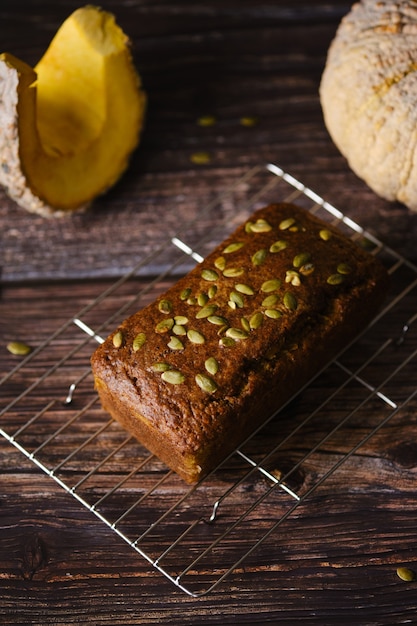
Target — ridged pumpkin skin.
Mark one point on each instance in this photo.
(69, 126)
(368, 94)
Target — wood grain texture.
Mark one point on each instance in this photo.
(334, 560)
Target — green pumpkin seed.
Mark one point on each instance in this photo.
(278, 246)
(287, 223)
(237, 298)
(344, 268)
(325, 234)
(165, 306)
(245, 289)
(192, 300)
(406, 574)
(245, 324)
(118, 339)
(185, 294)
(195, 337)
(179, 330)
(206, 311)
(232, 272)
(301, 259)
(233, 247)
(261, 226)
(335, 279)
(164, 325)
(273, 314)
(160, 367)
(227, 342)
(173, 377)
(19, 348)
(202, 299)
(180, 320)
(259, 257)
(138, 341)
(271, 285)
(307, 269)
(210, 275)
(256, 321)
(237, 333)
(220, 263)
(212, 291)
(211, 365)
(270, 300)
(175, 344)
(290, 301)
(217, 320)
(293, 277)
(206, 383)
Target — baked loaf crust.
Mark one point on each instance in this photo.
(194, 373)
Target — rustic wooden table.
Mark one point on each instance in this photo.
(335, 559)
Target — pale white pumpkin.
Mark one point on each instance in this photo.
(368, 94)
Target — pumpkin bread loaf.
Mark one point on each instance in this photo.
(195, 372)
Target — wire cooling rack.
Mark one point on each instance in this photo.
(196, 536)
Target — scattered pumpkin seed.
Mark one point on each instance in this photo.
(206, 120)
(325, 234)
(164, 325)
(293, 277)
(211, 365)
(202, 299)
(174, 377)
(233, 247)
(287, 223)
(270, 300)
(185, 294)
(301, 259)
(165, 306)
(200, 158)
(222, 330)
(307, 269)
(273, 314)
(259, 257)
(195, 337)
(261, 226)
(179, 330)
(344, 268)
(118, 339)
(271, 285)
(248, 227)
(220, 263)
(290, 301)
(180, 320)
(277, 246)
(245, 289)
(175, 344)
(237, 298)
(139, 341)
(236, 333)
(335, 279)
(406, 574)
(256, 321)
(160, 367)
(192, 300)
(212, 291)
(217, 320)
(210, 275)
(227, 342)
(249, 121)
(206, 383)
(232, 272)
(232, 305)
(18, 348)
(245, 324)
(206, 311)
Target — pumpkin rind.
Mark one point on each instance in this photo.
(368, 94)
